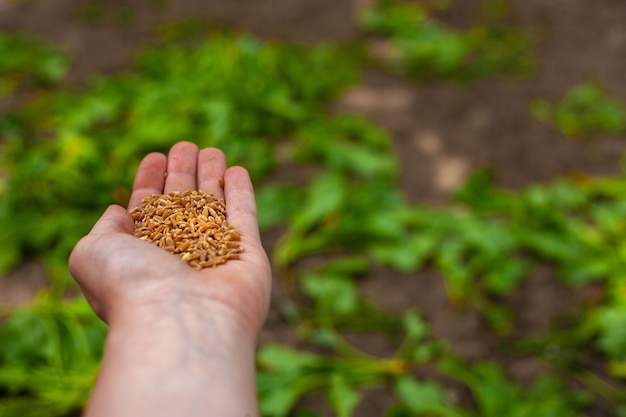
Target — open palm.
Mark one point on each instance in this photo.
(119, 273)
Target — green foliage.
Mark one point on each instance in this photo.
(67, 154)
(421, 398)
(343, 379)
(77, 150)
(300, 373)
(586, 111)
(28, 62)
(49, 357)
(426, 49)
(339, 214)
(483, 247)
(496, 395)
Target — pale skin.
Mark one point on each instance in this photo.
(181, 342)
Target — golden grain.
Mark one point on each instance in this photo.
(191, 224)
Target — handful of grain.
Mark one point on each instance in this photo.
(192, 224)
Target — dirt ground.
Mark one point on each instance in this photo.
(441, 132)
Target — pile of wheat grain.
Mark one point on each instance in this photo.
(191, 224)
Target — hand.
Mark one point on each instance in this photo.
(160, 310)
(119, 273)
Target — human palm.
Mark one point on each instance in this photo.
(120, 274)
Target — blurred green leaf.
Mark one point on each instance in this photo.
(276, 204)
(505, 275)
(276, 356)
(342, 397)
(586, 111)
(408, 254)
(335, 295)
(612, 324)
(415, 326)
(28, 61)
(423, 397)
(348, 265)
(326, 193)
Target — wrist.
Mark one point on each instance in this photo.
(210, 327)
(175, 362)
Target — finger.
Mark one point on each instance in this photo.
(115, 219)
(240, 203)
(149, 179)
(182, 161)
(211, 168)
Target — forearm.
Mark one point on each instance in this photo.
(175, 364)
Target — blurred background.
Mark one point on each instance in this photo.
(439, 183)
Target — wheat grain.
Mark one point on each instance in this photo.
(191, 224)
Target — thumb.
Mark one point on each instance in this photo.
(115, 219)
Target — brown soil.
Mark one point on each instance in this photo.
(441, 132)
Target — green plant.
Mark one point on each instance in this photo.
(49, 356)
(586, 111)
(496, 395)
(28, 62)
(426, 49)
(69, 153)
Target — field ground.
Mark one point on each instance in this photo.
(441, 132)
